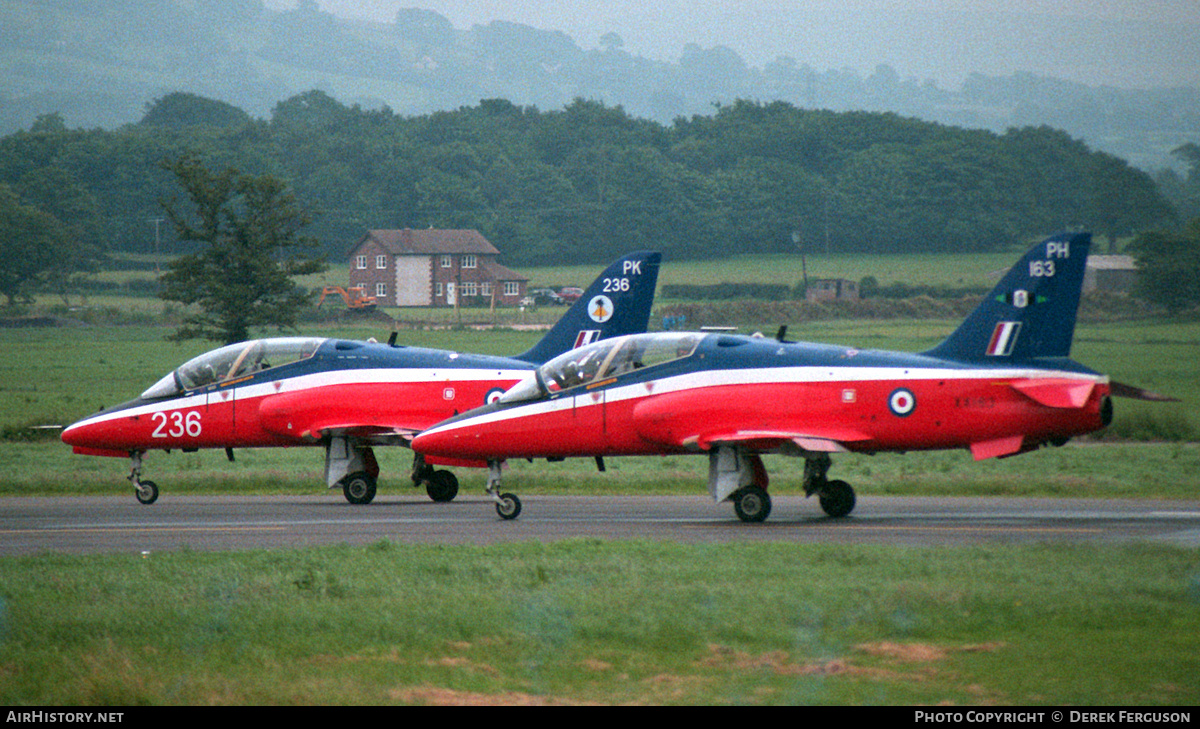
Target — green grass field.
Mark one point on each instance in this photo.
(593, 622)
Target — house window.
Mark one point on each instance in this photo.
(485, 289)
(469, 261)
(361, 262)
(437, 290)
(447, 261)
(380, 290)
(380, 261)
(470, 288)
(512, 288)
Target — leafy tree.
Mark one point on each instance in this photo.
(78, 250)
(31, 246)
(250, 230)
(1169, 266)
(183, 109)
(1183, 190)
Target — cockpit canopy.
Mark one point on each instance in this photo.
(602, 360)
(233, 361)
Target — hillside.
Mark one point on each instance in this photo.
(100, 62)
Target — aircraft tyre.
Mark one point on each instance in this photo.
(359, 488)
(146, 492)
(508, 506)
(837, 499)
(752, 504)
(442, 486)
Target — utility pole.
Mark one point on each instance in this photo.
(803, 261)
(157, 240)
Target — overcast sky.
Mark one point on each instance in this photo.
(1116, 42)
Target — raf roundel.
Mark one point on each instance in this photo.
(600, 309)
(493, 395)
(902, 402)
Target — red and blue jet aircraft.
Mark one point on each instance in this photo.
(347, 396)
(999, 385)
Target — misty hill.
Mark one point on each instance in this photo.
(103, 62)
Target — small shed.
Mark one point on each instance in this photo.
(1110, 273)
(832, 289)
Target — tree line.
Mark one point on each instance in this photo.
(589, 182)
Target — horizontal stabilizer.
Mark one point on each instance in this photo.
(1120, 389)
(1056, 392)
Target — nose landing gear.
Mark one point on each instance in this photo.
(146, 491)
(508, 506)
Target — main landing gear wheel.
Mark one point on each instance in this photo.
(359, 488)
(837, 498)
(752, 504)
(508, 506)
(146, 492)
(442, 486)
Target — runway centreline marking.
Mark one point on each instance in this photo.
(102, 530)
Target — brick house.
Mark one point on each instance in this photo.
(433, 268)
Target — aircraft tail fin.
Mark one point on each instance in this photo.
(617, 303)
(1031, 312)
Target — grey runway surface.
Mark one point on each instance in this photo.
(118, 524)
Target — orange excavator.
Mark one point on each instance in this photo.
(355, 297)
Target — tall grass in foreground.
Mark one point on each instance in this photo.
(607, 622)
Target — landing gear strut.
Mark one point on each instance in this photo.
(836, 497)
(145, 491)
(353, 467)
(508, 506)
(739, 476)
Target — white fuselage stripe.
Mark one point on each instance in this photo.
(764, 376)
(315, 380)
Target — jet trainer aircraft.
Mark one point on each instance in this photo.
(1001, 384)
(347, 395)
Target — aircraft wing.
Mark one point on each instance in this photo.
(787, 442)
(365, 431)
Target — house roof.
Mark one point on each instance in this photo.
(496, 272)
(1112, 263)
(430, 241)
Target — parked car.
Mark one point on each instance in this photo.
(570, 294)
(542, 297)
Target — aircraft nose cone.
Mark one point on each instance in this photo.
(77, 433)
(104, 433)
(87, 433)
